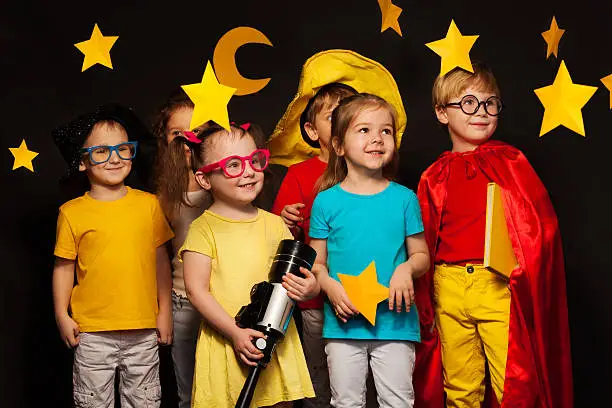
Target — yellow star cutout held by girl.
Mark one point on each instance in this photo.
(364, 291)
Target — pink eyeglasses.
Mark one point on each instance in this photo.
(234, 166)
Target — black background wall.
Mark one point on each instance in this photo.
(166, 44)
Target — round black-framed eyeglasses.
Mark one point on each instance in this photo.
(470, 104)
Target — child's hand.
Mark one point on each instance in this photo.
(164, 327)
(291, 214)
(401, 288)
(343, 307)
(244, 347)
(69, 331)
(301, 289)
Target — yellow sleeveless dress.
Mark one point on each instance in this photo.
(242, 252)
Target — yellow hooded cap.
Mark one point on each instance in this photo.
(365, 75)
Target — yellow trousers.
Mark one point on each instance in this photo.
(472, 312)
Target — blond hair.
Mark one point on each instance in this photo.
(342, 118)
(458, 80)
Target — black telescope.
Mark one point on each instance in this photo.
(270, 309)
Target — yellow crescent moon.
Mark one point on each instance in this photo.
(224, 59)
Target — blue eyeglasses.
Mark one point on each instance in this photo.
(102, 154)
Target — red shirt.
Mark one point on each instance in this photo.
(298, 187)
(462, 229)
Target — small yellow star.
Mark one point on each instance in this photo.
(96, 49)
(454, 49)
(210, 100)
(390, 14)
(552, 38)
(563, 102)
(23, 156)
(607, 81)
(364, 291)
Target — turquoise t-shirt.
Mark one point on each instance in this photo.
(360, 229)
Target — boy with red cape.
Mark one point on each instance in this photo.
(516, 329)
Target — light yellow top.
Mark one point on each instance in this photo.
(242, 252)
(114, 244)
(180, 222)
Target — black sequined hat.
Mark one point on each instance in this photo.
(70, 137)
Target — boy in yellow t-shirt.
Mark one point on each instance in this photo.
(114, 236)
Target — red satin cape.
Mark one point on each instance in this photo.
(539, 368)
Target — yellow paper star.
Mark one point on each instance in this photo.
(97, 49)
(210, 100)
(390, 14)
(563, 101)
(23, 156)
(364, 291)
(552, 38)
(454, 49)
(607, 81)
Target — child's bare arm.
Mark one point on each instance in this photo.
(197, 268)
(291, 214)
(164, 296)
(418, 254)
(401, 286)
(63, 281)
(301, 289)
(335, 292)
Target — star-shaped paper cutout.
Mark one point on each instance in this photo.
(23, 156)
(390, 14)
(607, 81)
(563, 102)
(454, 49)
(97, 49)
(210, 100)
(552, 38)
(364, 291)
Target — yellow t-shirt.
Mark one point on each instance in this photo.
(114, 244)
(242, 253)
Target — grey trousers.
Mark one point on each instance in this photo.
(392, 364)
(99, 354)
(186, 320)
(316, 360)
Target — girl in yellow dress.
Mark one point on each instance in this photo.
(228, 249)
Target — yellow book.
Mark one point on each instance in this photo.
(498, 253)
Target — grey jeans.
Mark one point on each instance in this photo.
(316, 360)
(186, 320)
(392, 364)
(99, 354)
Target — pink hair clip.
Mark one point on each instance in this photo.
(245, 126)
(192, 137)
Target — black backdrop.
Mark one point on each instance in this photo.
(165, 44)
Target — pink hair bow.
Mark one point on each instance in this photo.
(246, 126)
(192, 137)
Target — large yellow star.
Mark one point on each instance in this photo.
(607, 81)
(23, 156)
(97, 49)
(390, 14)
(563, 101)
(210, 100)
(364, 291)
(454, 49)
(552, 38)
